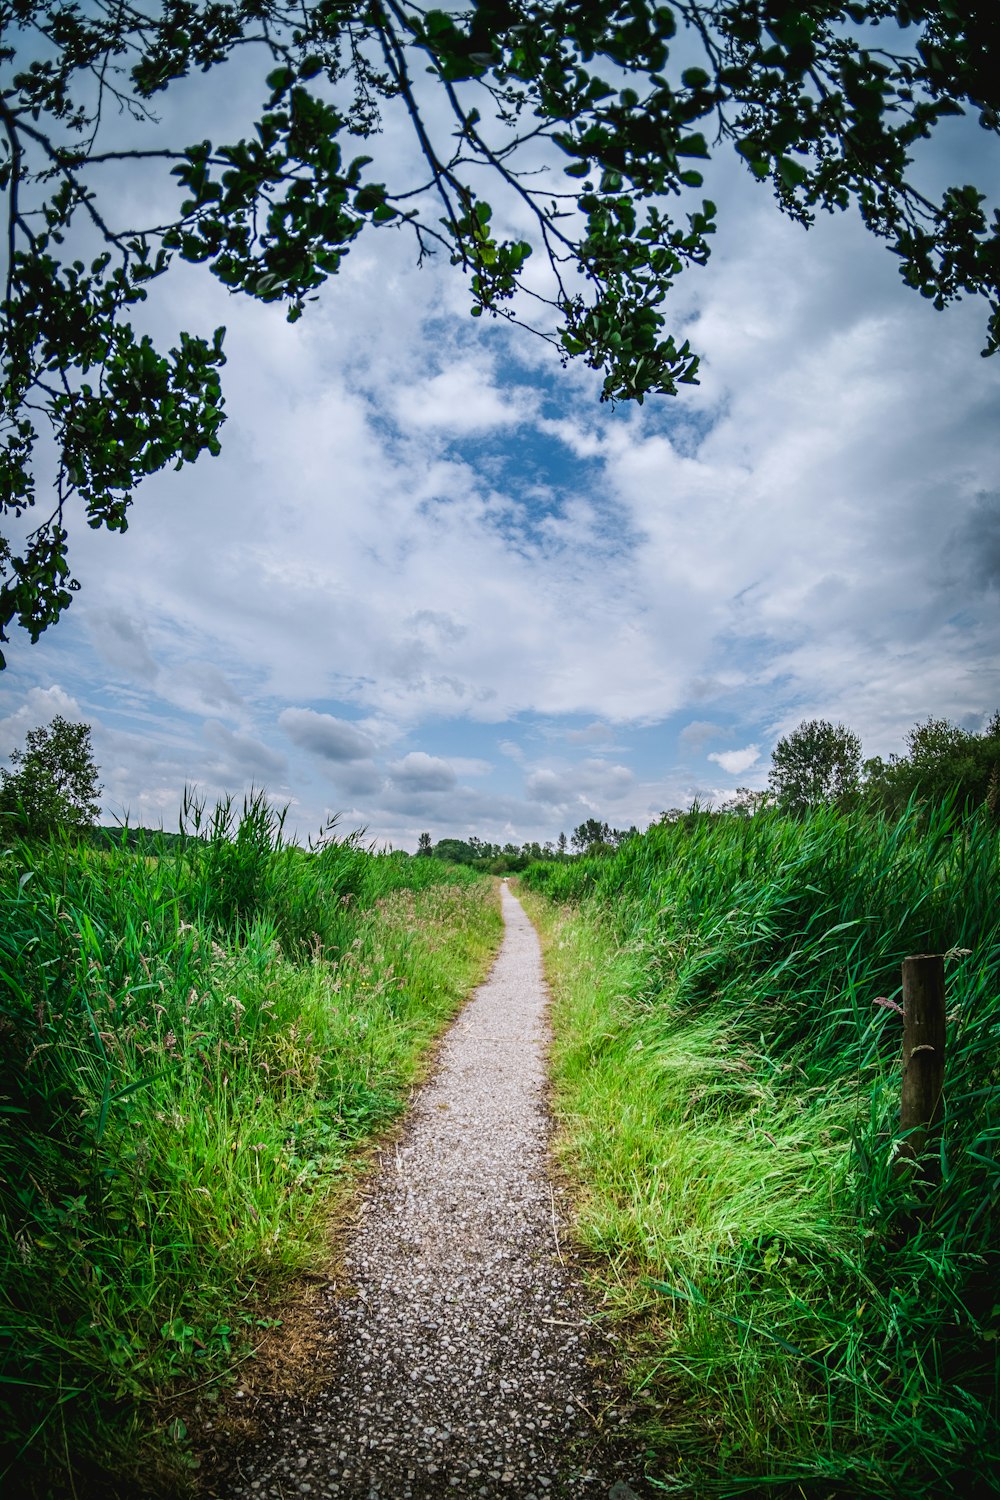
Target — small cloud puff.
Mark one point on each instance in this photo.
(325, 736)
(734, 762)
(420, 772)
(594, 734)
(698, 733)
(462, 399)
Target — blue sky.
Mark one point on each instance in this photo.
(432, 583)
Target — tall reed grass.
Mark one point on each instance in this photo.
(728, 1065)
(193, 1035)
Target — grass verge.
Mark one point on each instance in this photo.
(797, 1320)
(196, 1038)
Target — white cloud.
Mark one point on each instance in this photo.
(40, 706)
(590, 784)
(462, 398)
(242, 757)
(547, 786)
(123, 643)
(358, 778)
(699, 732)
(467, 765)
(735, 762)
(211, 687)
(419, 772)
(325, 735)
(594, 734)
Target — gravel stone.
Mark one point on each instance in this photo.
(466, 1361)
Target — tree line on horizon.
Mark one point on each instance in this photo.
(589, 837)
(52, 784)
(817, 764)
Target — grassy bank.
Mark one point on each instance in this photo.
(729, 1093)
(196, 1035)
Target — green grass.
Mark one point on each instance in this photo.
(195, 1037)
(796, 1321)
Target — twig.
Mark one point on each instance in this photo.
(595, 1421)
(555, 1230)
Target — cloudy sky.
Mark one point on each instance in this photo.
(432, 583)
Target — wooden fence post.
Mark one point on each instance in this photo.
(923, 1059)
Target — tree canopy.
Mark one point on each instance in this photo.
(942, 759)
(594, 122)
(454, 851)
(53, 783)
(818, 762)
(593, 836)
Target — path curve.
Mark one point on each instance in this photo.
(464, 1361)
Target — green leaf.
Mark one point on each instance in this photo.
(792, 172)
(692, 145)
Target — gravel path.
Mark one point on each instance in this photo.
(464, 1362)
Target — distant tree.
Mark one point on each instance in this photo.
(818, 762)
(590, 835)
(561, 845)
(54, 781)
(424, 845)
(746, 801)
(454, 851)
(594, 837)
(942, 760)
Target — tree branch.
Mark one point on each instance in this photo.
(16, 152)
(396, 63)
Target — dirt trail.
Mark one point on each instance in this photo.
(464, 1362)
